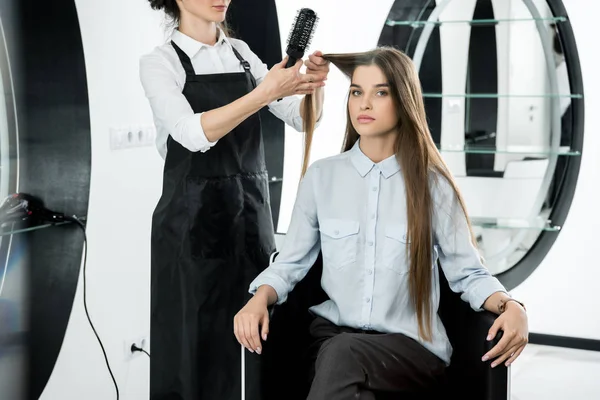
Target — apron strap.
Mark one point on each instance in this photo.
(245, 63)
(185, 60)
(246, 66)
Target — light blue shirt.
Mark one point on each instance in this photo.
(354, 211)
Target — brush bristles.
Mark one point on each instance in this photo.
(301, 34)
(293, 27)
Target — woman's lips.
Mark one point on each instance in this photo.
(365, 119)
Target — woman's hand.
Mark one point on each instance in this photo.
(317, 65)
(247, 322)
(283, 82)
(513, 323)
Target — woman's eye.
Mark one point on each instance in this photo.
(382, 93)
(355, 93)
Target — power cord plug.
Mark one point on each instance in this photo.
(135, 348)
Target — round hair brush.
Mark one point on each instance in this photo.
(301, 35)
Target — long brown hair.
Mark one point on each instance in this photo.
(417, 155)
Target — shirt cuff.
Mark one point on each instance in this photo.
(297, 120)
(482, 290)
(197, 135)
(275, 282)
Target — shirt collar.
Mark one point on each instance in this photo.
(364, 164)
(191, 47)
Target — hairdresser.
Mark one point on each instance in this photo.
(212, 230)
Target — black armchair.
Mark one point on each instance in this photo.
(287, 362)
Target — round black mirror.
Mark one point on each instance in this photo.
(504, 98)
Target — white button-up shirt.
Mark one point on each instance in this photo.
(354, 212)
(163, 79)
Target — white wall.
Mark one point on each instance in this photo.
(126, 185)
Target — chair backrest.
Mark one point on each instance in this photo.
(453, 312)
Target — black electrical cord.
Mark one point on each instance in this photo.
(135, 348)
(82, 226)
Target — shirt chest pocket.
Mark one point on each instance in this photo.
(395, 248)
(339, 238)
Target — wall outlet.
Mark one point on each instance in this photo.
(142, 341)
(132, 136)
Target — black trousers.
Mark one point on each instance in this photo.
(367, 365)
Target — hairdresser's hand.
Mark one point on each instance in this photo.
(513, 323)
(247, 322)
(282, 82)
(317, 65)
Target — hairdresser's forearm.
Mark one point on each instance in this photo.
(220, 121)
(318, 98)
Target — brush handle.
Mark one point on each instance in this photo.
(291, 62)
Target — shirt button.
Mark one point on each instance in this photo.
(336, 232)
(370, 243)
(370, 272)
(374, 188)
(368, 300)
(372, 216)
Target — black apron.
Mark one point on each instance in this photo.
(212, 234)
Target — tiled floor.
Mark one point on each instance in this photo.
(554, 373)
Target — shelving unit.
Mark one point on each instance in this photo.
(473, 22)
(499, 95)
(507, 223)
(518, 150)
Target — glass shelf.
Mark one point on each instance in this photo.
(508, 223)
(7, 232)
(524, 150)
(498, 95)
(420, 24)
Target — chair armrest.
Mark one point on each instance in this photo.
(494, 380)
(467, 330)
(285, 352)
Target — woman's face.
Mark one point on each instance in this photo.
(370, 104)
(208, 10)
